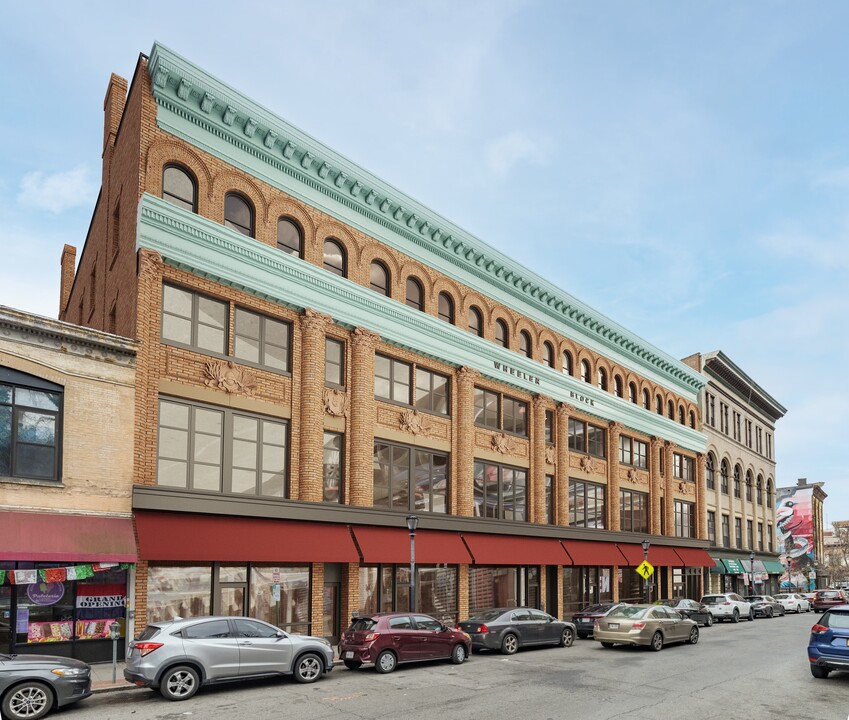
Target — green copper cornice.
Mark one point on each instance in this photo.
(205, 248)
(207, 113)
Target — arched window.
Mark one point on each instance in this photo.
(179, 187)
(710, 472)
(525, 343)
(475, 321)
(548, 354)
(737, 478)
(585, 371)
(723, 477)
(670, 410)
(617, 386)
(769, 498)
(602, 379)
(379, 278)
(749, 485)
(446, 308)
(290, 239)
(415, 294)
(681, 415)
(692, 419)
(760, 491)
(335, 259)
(632, 393)
(502, 337)
(238, 214)
(567, 362)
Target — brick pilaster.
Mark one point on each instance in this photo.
(536, 504)
(317, 595)
(701, 509)
(363, 343)
(668, 498)
(656, 447)
(308, 483)
(561, 505)
(613, 431)
(465, 448)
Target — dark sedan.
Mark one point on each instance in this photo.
(765, 606)
(585, 619)
(32, 685)
(690, 609)
(508, 629)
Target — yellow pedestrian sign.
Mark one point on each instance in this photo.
(645, 569)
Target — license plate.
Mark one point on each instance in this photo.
(349, 654)
(584, 620)
(613, 626)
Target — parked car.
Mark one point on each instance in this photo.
(652, 625)
(585, 619)
(794, 602)
(828, 648)
(387, 639)
(33, 685)
(728, 606)
(765, 606)
(825, 599)
(178, 657)
(690, 609)
(508, 629)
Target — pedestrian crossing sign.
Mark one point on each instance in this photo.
(645, 569)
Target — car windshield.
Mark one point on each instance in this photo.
(837, 620)
(829, 594)
(595, 609)
(487, 616)
(149, 632)
(363, 623)
(628, 612)
(783, 597)
(713, 599)
(755, 598)
(669, 603)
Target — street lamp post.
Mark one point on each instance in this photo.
(752, 570)
(646, 544)
(412, 524)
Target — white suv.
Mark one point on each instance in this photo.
(728, 606)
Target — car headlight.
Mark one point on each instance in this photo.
(70, 672)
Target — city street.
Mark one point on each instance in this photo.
(751, 671)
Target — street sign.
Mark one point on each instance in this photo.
(275, 592)
(275, 575)
(645, 569)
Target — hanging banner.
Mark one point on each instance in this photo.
(97, 595)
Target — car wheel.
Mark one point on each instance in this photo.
(353, 664)
(567, 638)
(458, 654)
(819, 672)
(29, 701)
(709, 621)
(386, 662)
(770, 614)
(607, 645)
(798, 608)
(694, 636)
(735, 616)
(308, 669)
(656, 642)
(510, 644)
(179, 683)
(751, 614)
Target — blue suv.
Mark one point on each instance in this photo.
(828, 648)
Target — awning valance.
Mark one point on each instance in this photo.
(392, 545)
(588, 552)
(515, 550)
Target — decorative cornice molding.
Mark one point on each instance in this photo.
(23, 327)
(205, 248)
(214, 116)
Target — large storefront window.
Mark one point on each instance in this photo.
(410, 480)
(500, 491)
(584, 586)
(386, 588)
(631, 586)
(175, 590)
(491, 587)
(586, 504)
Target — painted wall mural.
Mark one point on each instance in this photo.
(795, 525)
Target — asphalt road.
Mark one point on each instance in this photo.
(750, 671)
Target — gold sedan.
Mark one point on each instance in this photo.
(652, 625)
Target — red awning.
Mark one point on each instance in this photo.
(588, 552)
(695, 557)
(42, 536)
(659, 555)
(392, 545)
(513, 550)
(184, 536)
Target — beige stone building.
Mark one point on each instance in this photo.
(739, 417)
(66, 463)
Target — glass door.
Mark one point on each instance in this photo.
(331, 612)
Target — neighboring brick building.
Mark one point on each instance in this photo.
(66, 468)
(739, 419)
(321, 356)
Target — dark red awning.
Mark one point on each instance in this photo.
(588, 552)
(184, 536)
(513, 550)
(659, 555)
(42, 536)
(695, 557)
(392, 545)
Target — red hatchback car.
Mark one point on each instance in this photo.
(825, 599)
(387, 639)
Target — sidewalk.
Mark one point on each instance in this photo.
(101, 678)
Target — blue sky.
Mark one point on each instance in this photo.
(681, 167)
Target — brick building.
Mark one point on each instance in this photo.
(66, 466)
(322, 356)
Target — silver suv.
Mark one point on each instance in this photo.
(728, 606)
(178, 657)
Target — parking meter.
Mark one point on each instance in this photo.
(115, 635)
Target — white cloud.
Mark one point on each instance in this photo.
(58, 192)
(508, 150)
